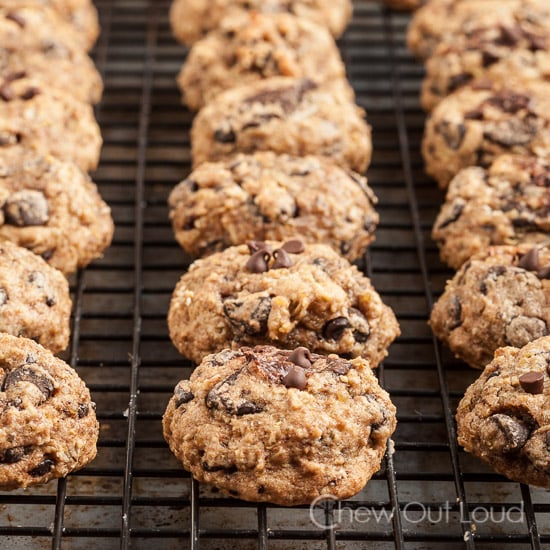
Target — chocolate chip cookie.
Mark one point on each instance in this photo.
(252, 46)
(500, 297)
(192, 19)
(507, 203)
(268, 196)
(52, 208)
(473, 126)
(267, 425)
(55, 65)
(34, 298)
(451, 67)
(504, 416)
(49, 121)
(285, 115)
(48, 426)
(518, 23)
(283, 294)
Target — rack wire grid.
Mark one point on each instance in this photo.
(428, 494)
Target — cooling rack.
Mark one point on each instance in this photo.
(429, 493)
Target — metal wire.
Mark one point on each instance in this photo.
(428, 495)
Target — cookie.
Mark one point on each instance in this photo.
(252, 46)
(284, 115)
(268, 196)
(48, 120)
(32, 25)
(452, 67)
(52, 208)
(500, 297)
(48, 426)
(55, 65)
(519, 23)
(192, 19)
(266, 425)
(504, 419)
(473, 126)
(282, 294)
(34, 298)
(507, 203)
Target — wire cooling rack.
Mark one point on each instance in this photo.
(429, 493)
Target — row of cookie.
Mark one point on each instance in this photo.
(489, 141)
(50, 213)
(262, 423)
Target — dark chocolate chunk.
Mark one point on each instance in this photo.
(294, 246)
(510, 102)
(514, 131)
(225, 396)
(182, 396)
(50, 301)
(532, 382)
(30, 92)
(43, 468)
(249, 315)
(334, 329)
(6, 92)
(452, 133)
(302, 357)
(544, 272)
(295, 378)
(25, 208)
(13, 455)
(3, 296)
(492, 274)
(288, 97)
(510, 36)
(225, 136)
(259, 262)
(15, 75)
(83, 410)
(455, 213)
(282, 259)
(530, 260)
(489, 58)
(360, 336)
(47, 254)
(474, 114)
(458, 80)
(16, 18)
(455, 313)
(513, 431)
(28, 374)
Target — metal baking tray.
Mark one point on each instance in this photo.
(429, 493)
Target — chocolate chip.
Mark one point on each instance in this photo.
(43, 468)
(249, 315)
(302, 357)
(294, 246)
(489, 58)
(537, 42)
(452, 133)
(295, 378)
(13, 455)
(514, 131)
(513, 431)
(282, 259)
(510, 36)
(255, 246)
(491, 275)
(16, 18)
(510, 102)
(259, 262)
(6, 92)
(47, 254)
(530, 260)
(15, 75)
(28, 374)
(474, 114)
(458, 80)
(50, 301)
(25, 208)
(225, 136)
(455, 313)
(455, 213)
(83, 410)
(288, 98)
(544, 273)
(334, 329)
(225, 396)
(532, 382)
(3, 296)
(182, 396)
(360, 336)
(30, 92)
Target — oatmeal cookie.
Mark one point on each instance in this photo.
(34, 298)
(192, 19)
(267, 425)
(268, 196)
(473, 126)
(48, 426)
(48, 120)
(507, 203)
(283, 294)
(504, 417)
(253, 46)
(52, 208)
(517, 22)
(284, 115)
(500, 297)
